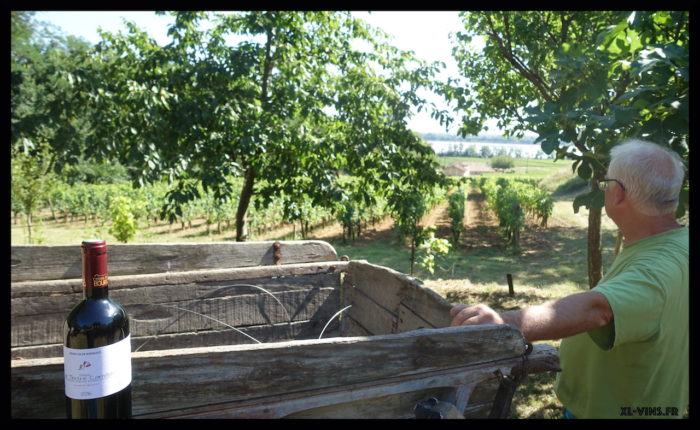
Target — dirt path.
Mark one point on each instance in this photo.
(481, 226)
(440, 218)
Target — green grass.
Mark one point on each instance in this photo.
(519, 162)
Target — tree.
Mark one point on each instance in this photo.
(290, 106)
(41, 95)
(41, 114)
(32, 178)
(583, 81)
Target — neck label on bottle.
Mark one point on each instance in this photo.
(97, 372)
(99, 281)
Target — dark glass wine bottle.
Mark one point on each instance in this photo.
(97, 350)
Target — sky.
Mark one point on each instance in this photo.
(424, 32)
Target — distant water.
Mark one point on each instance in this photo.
(527, 150)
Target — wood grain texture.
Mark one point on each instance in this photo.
(245, 372)
(42, 262)
(164, 303)
(398, 302)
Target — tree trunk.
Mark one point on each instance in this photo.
(595, 259)
(29, 227)
(247, 191)
(53, 213)
(243, 204)
(413, 255)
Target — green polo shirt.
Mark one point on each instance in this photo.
(636, 366)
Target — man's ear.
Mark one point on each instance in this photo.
(619, 195)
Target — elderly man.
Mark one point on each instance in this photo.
(624, 352)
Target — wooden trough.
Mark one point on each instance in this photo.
(262, 330)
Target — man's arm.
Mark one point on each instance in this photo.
(555, 319)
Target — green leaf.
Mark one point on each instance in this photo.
(607, 36)
(584, 170)
(677, 123)
(593, 199)
(625, 115)
(637, 91)
(569, 134)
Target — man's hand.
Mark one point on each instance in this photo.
(555, 319)
(474, 315)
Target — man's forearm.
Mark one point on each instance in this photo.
(561, 318)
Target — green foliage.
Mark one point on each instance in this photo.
(42, 99)
(124, 226)
(430, 247)
(407, 206)
(89, 171)
(502, 162)
(289, 107)
(456, 206)
(274, 120)
(31, 180)
(584, 79)
(512, 200)
(358, 205)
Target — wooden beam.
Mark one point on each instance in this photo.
(411, 304)
(235, 373)
(306, 291)
(42, 262)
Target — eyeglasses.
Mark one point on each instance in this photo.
(603, 183)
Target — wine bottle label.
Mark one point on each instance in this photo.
(97, 372)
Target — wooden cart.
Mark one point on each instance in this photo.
(262, 330)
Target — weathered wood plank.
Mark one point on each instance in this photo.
(281, 406)
(244, 372)
(41, 262)
(398, 406)
(310, 329)
(374, 318)
(408, 319)
(350, 327)
(38, 309)
(56, 287)
(139, 294)
(194, 315)
(377, 376)
(391, 290)
(392, 397)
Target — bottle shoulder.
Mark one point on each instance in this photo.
(97, 312)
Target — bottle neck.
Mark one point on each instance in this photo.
(95, 279)
(96, 293)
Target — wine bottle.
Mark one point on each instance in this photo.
(97, 349)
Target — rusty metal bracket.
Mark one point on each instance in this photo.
(277, 252)
(507, 386)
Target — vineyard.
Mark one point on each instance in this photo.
(103, 206)
(121, 212)
(512, 200)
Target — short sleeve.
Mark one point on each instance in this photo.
(636, 297)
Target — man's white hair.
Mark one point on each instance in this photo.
(652, 175)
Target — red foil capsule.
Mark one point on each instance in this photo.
(94, 263)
